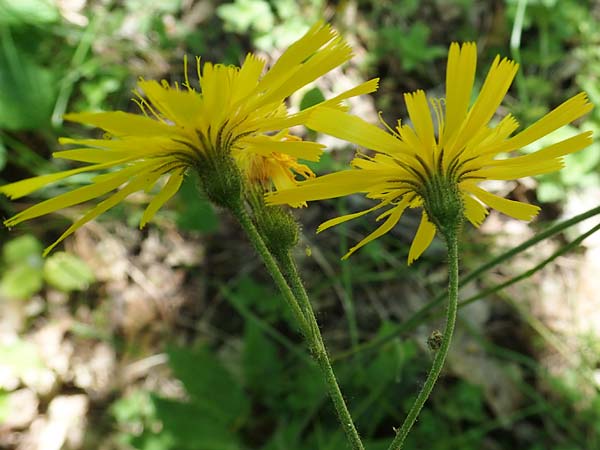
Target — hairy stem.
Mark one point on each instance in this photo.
(299, 303)
(319, 352)
(442, 352)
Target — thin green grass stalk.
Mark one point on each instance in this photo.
(528, 273)
(442, 352)
(68, 82)
(320, 352)
(426, 311)
(307, 322)
(557, 415)
(515, 47)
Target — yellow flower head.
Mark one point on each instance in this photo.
(415, 166)
(238, 114)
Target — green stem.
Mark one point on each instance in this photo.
(242, 215)
(305, 317)
(442, 352)
(320, 352)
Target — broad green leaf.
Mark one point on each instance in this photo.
(21, 281)
(27, 90)
(195, 213)
(28, 12)
(25, 248)
(311, 98)
(262, 365)
(211, 387)
(20, 357)
(67, 272)
(190, 428)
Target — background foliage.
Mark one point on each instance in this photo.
(172, 337)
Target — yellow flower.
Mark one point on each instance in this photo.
(439, 170)
(237, 115)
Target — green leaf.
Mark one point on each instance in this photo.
(211, 387)
(27, 90)
(311, 98)
(67, 272)
(25, 248)
(195, 213)
(21, 281)
(2, 154)
(31, 12)
(190, 429)
(242, 15)
(262, 365)
(20, 357)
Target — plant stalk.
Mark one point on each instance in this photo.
(298, 301)
(440, 356)
(319, 352)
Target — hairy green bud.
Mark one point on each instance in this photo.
(221, 180)
(278, 228)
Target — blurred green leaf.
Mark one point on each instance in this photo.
(2, 154)
(67, 272)
(311, 98)
(21, 281)
(211, 387)
(20, 357)
(27, 90)
(26, 248)
(243, 15)
(410, 46)
(22, 258)
(262, 365)
(195, 213)
(191, 429)
(27, 12)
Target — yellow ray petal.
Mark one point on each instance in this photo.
(420, 115)
(334, 54)
(543, 161)
(139, 182)
(121, 123)
(317, 36)
(565, 113)
(423, 237)
(475, 212)
(518, 210)
(264, 145)
(180, 107)
(77, 196)
(22, 188)
(460, 75)
(331, 185)
(300, 118)
(132, 144)
(495, 87)
(247, 79)
(386, 226)
(346, 217)
(169, 190)
(355, 130)
(364, 88)
(93, 155)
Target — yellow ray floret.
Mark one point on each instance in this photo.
(236, 114)
(412, 165)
